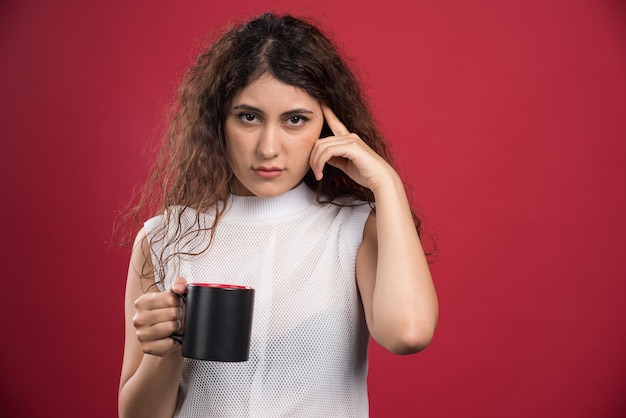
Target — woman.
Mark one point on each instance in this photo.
(275, 177)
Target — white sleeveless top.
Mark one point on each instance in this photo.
(308, 354)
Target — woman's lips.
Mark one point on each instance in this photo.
(268, 172)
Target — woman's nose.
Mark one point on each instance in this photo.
(269, 142)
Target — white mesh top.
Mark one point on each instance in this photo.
(308, 354)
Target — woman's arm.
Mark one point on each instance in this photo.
(394, 280)
(152, 361)
(398, 294)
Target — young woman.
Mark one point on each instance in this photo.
(274, 176)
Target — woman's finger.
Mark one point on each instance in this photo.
(336, 151)
(153, 301)
(179, 286)
(158, 331)
(160, 347)
(147, 319)
(333, 121)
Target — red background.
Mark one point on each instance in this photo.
(508, 118)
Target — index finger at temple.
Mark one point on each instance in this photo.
(333, 121)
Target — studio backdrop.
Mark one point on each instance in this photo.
(506, 118)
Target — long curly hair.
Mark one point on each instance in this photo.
(192, 171)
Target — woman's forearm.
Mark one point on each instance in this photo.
(152, 391)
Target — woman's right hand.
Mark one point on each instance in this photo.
(158, 315)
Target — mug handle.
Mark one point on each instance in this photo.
(179, 337)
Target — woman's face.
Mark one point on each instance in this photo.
(270, 129)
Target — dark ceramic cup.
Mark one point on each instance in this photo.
(218, 322)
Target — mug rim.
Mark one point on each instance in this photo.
(225, 286)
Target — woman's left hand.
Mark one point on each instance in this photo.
(347, 152)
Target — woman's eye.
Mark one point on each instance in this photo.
(296, 120)
(247, 117)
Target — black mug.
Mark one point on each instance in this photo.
(218, 322)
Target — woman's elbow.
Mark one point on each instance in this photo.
(410, 339)
(411, 344)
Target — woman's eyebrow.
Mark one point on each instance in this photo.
(248, 108)
(292, 112)
(295, 112)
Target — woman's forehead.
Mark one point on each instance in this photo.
(269, 92)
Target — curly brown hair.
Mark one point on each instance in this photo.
(192, 171)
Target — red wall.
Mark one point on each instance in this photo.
(508, 117)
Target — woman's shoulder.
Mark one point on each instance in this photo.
(161, 218)
(351, 210)
(175, 216)
(352, 203)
